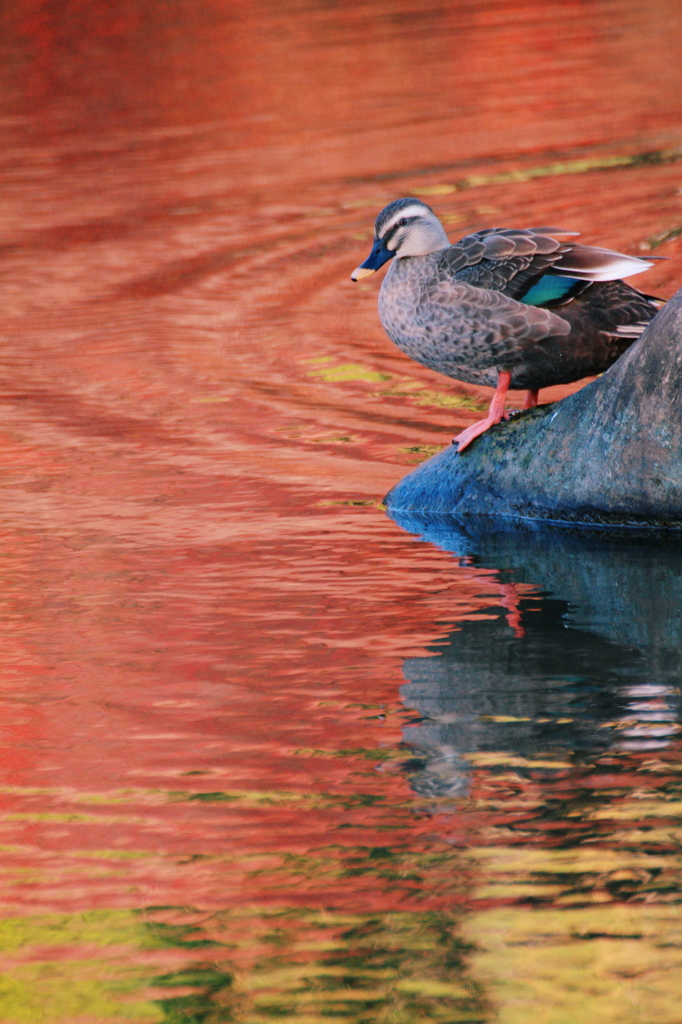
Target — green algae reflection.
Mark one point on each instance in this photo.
(304, 965)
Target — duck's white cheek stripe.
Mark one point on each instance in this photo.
(409, 211)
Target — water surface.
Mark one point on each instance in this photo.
(269, 755)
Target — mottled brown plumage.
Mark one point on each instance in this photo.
(503, 307)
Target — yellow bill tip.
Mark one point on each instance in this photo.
(360, 272)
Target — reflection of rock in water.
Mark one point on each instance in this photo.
(597, 668)
(531, 685)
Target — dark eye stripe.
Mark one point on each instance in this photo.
(392, 230)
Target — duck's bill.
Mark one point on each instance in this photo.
(378, 256)
(361, 272)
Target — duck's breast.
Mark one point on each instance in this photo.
(436, 334)
(404, 304)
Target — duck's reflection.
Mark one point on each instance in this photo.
(587, 662)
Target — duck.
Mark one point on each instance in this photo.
(509, 308)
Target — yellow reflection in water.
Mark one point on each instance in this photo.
(607, 963)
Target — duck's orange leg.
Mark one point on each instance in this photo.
(509, 599)
(531, 399)
(495, 413)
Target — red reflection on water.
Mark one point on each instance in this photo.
(200, 409)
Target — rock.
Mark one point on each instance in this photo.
(609, 455)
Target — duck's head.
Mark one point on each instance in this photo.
(406, 227)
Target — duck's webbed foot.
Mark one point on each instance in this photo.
(495, 415)
(464, 439)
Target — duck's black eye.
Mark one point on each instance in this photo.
(402, 222)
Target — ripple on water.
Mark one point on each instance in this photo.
(217, 802)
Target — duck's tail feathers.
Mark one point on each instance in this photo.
(656, 300)
(628, 330)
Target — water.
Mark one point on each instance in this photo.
(268, 755)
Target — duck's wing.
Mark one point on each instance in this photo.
(483, 326)
(532, 266)
(503, 259)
